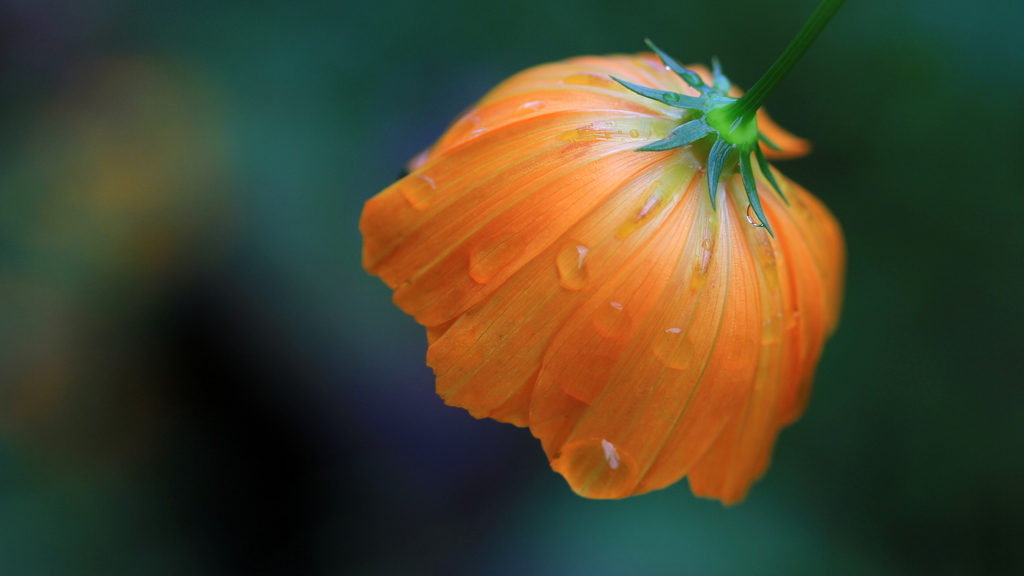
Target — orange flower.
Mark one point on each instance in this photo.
(590, 291)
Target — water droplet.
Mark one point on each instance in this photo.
(701, 262)
(771, 329)
(596, 468)
(529, 108)
(674, 348)
(670, 97)
(612, 321)
(610, 454)
(652, 206)
(571, 268)
(634, 133)
(417, 190)
(656, 194)
(595, 131)
(752, 218)
(490, 255)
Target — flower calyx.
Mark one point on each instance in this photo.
(719, 119)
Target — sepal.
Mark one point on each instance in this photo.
(686, 134)
(762, 162)
(673, 99)
(689, 76)
(716, 163)
(747, 173)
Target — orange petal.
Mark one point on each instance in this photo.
(790, 146)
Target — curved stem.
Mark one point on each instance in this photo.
(753, 99)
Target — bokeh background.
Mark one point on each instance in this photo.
(197, 377)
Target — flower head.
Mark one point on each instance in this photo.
(578, 276)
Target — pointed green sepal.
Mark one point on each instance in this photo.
(747, 173)
(691, 78)
(671, 98)
(767, 142)
(766, 170)
(686, 134)
(721, 82)
(716, 162)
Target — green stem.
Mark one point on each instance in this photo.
(753, 99)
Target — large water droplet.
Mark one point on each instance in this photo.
(701, 262)
(634, 133)
(417, 190)
(655, 202)
(611, 320)
(610, 454)
(656, 195)
(529, 108)
(670, 97)
(674, 348)
(572, 269)
(596, 468)
(490, 255)
(752, 218)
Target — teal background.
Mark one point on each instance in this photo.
(197, 377)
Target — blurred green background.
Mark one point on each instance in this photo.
(197, 377)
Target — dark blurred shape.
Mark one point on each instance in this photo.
(247, 479)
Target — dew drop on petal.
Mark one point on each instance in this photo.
(417, 190)
(674, 348)
(611, 320)
(490, 255)
(654, 203)
(610, 454)
(572, 270)
(601, 130)
(701, 263)
(596, 468)
(634, 133)
(529, 108)
(752, 218)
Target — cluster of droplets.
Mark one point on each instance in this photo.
(606, 130)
